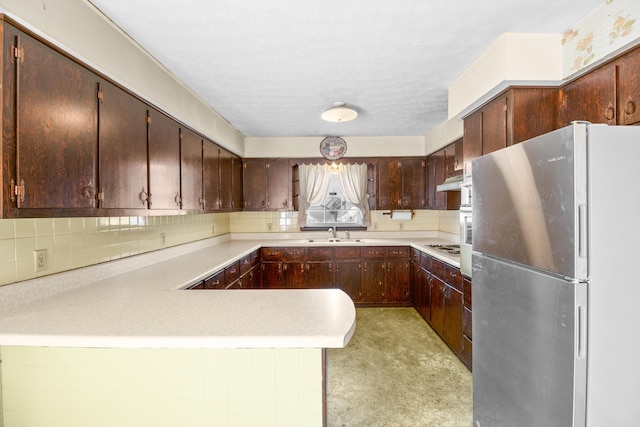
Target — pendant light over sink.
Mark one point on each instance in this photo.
(339, 113)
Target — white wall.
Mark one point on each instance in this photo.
(357, 146)
(77, 27)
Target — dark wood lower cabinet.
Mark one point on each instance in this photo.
(384, 276)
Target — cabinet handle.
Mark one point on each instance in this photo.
(178, 200)
(630, 107)
(143, 197)
(89, 192)
(609, 113)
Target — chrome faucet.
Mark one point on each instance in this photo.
(334, 232)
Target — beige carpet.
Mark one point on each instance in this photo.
(396, 371)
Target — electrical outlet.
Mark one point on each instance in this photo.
(41, 261)
(375, 226)
(402, 226)
(163, 239)
(213, 229)
(269, 226)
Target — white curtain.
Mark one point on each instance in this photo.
(353, 183)
(314, 184)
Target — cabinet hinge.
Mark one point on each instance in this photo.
(18, 53)
(17, 191)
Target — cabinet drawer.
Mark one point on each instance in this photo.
(453, 277)
(347, 252)
(397, 251)
(415, 255)
(216, 281)
(437, 268)
(283, 254)
(245, 265)
(198, 285)
(232, 272)
(373, 252)
(320, 254)
(425, 261)
(466, 292)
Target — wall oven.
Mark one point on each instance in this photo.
(466, 226)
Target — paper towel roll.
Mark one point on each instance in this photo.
(401, 215)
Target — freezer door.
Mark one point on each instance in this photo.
(529, 347)
(530, 202)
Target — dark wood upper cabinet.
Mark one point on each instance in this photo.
(123, 149)
(54, 142)
(230, 181)
(472, 140)
(494, 125)
(414, 176)
(515, 115)
(191, 170)
(389, 183)
(164, 161)
(267, 184)
(441, 165)
(629, 88)
(402, 183)
(211, 176)
(591, 97)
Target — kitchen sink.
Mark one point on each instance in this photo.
(335, 240)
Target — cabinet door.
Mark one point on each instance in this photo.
(494, 125)
(236, 183)
(397, 281)
(629, 88)
(294, 274)
(471, 140)
(319, 275)
(211, 176)
(437, 303)
(191, 170)
(279, 184)
(424, 302)
(450, 160)
(389, 183)
(348, 278)
(254, 184)
(56, 118)
(591, 97)
(272, 277)
(123, 149)
(373, 286)
(452, 319)
(164, 161)
(226, 181)
(414, 186)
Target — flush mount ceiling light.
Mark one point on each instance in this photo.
(339, 113)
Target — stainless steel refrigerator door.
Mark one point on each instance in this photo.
(529, 202)
(529, 347)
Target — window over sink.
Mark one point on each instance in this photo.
(333, 196)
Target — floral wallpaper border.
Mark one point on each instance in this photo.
(611, 26)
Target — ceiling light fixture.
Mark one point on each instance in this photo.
(339, 113)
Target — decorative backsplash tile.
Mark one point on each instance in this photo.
(608, 28)
(80, 242)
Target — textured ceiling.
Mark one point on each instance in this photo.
(272, 67)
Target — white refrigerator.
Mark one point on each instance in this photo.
(556, 289)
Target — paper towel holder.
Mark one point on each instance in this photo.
(400, 214)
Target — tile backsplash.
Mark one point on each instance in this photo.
(73, 243)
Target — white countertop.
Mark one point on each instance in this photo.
(148, 308)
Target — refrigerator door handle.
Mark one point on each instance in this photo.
(582, 331)
(582, 231)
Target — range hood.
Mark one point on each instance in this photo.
(452, 183)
